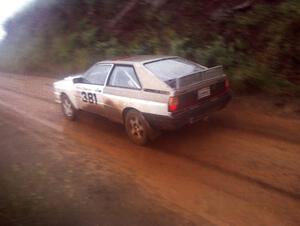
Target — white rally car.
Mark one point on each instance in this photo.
(145, 93)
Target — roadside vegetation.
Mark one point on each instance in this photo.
(258, 42)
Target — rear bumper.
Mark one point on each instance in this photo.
(189, 116)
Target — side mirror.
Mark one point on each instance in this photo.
(78, 80)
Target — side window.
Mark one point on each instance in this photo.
(97, 74)
(125, 77)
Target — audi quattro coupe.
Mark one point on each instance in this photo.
(145, 93)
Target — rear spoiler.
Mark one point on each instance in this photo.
(208, 74)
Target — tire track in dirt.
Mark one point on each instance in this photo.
(205, 186)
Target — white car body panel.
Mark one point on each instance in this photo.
(152, 97)
(66, 86)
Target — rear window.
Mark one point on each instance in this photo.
(170, 69)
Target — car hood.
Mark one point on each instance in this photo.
(71, 77)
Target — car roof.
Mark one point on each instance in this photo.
(137, 59)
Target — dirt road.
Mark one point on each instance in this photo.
(242, 167)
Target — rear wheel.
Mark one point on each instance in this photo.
(67, 107)
(137, 127)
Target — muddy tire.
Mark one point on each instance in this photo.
(137, 127)
(67, 107)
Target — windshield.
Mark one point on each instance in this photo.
(169, 69)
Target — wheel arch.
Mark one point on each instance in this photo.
(152, 133)
(126, 110)
(70, 98)
(63, 93)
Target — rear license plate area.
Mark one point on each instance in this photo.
(204, 92)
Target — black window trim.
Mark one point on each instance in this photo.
(126, 65)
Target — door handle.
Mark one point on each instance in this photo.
(99, 90)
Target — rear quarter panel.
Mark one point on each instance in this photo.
(116, 100)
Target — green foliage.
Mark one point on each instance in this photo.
(216, 54)
(260, 14)
(259, 48)
(270, 46)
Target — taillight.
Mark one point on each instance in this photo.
(173, 104)
(226, 84)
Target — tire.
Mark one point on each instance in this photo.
(67, 107)
(137, 128)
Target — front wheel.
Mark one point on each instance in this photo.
(67, 107)
(137, 127)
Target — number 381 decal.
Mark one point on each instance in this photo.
(89, 98)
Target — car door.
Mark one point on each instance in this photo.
(90, 90)
(122, 87)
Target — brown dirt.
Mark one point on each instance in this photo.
(241, 167)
